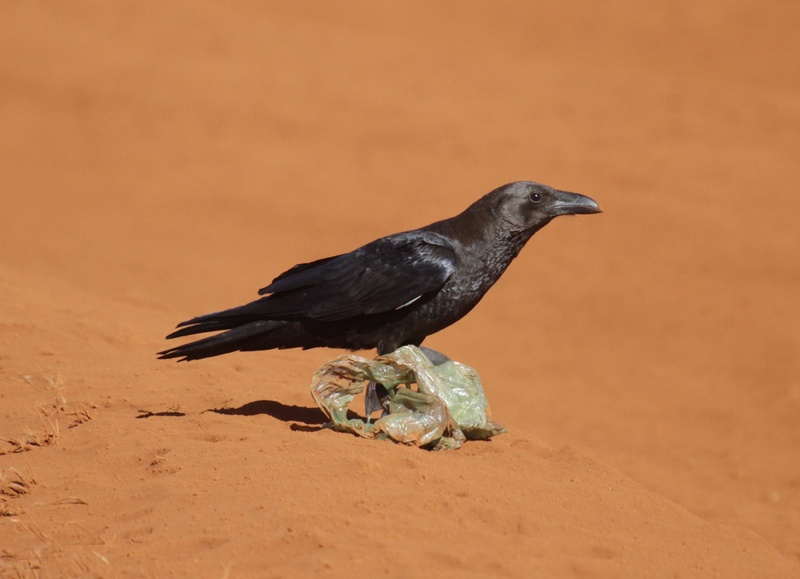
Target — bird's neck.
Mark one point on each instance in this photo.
(485, 237)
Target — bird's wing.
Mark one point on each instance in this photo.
(385, 275)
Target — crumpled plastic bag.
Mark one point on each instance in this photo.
(448, 408)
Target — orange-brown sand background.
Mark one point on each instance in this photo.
(162, 160)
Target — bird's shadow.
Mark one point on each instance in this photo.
(302, 418)
(148, 414)
(284, 412)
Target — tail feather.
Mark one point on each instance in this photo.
(234, 339)
(234, 316)
(203, 327)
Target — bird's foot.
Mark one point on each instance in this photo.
(377, 398)
(436, 358)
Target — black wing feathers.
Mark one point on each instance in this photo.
(379, 277)
(296, 270)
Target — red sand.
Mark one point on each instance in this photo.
(160, 161)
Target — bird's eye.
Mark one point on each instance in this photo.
(535, 197)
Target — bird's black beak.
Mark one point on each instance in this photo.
(567, 203)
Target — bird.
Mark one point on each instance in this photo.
(391, 292)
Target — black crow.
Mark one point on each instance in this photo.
(394, 291)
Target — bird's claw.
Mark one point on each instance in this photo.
(436, 358)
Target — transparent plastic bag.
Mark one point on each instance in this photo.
(447, 408)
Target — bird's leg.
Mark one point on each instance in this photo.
(377, 398)
(436, 358)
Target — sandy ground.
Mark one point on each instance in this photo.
(161, 160)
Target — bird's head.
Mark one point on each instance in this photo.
(529, 206)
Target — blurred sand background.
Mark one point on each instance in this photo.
(161, 160)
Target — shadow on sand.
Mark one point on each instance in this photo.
(284, 412)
